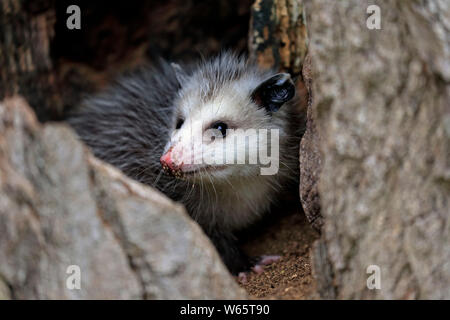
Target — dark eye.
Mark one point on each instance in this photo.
(222, 127)
(179, 123)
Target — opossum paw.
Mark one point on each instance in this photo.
(242, 277)
(264, 261)
(258, 266)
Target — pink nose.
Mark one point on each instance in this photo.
(166, 160)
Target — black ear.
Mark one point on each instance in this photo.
(274, 92)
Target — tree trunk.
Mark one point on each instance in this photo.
(277, 36)
(381, 103)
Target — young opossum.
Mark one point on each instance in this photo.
(144, 124)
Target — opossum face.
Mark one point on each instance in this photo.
(225, 131)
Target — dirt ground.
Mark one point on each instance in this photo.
(291, 237)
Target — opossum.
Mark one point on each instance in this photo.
(144, 125)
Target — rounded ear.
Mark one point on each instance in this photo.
(274, 92)
(179, 72)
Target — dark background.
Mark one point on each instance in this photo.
(115, 36)
(119, 36)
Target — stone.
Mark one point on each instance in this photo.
(61, 207)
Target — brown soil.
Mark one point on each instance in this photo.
(291, 237)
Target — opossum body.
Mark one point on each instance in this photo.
(144, 123)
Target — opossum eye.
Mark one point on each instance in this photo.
(221, 126)
(274, 92)
(180, 123)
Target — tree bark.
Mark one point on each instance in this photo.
(278, 36)
(26, 65)
(381, 103)
(310, 157)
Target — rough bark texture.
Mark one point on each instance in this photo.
(277, 36)
(26, 32)
(59, 206)
(310, 158)
(381, 100)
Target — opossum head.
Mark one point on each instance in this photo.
(226, 124)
